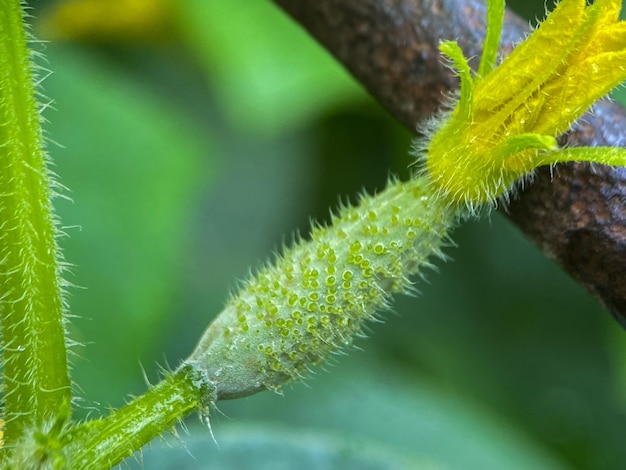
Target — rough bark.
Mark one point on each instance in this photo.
(576, 213)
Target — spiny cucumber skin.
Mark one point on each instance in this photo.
(316, 298)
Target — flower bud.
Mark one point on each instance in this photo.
(506, 119)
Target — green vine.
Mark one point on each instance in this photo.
(104, 443)
(315, 298)
(34, 359)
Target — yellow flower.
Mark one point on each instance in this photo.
(506, 120)
(136, 21)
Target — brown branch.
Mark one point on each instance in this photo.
(577, 214)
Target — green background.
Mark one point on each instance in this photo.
(192, 156)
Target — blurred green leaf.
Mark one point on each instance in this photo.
(375, 407)
(268, 75)
(255, 447)
(617, 348)
(134, 167)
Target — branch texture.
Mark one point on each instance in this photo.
(575, 213)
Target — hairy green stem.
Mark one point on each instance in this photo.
(107, 442)
(34, 359)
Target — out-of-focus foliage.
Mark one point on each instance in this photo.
(377, 415)
(135, 166)
(194, 140)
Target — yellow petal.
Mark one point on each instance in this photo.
(533, 60)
